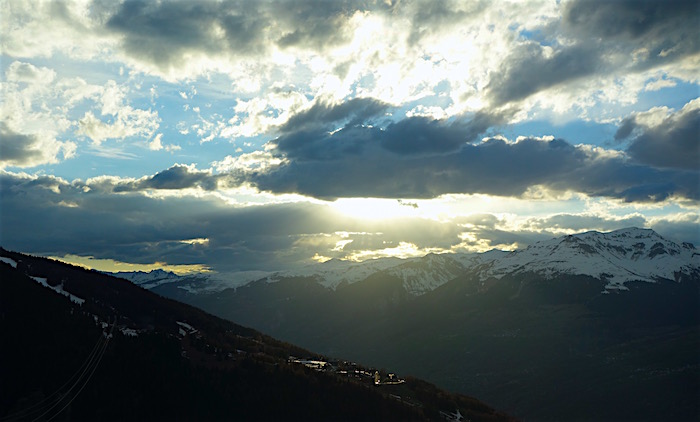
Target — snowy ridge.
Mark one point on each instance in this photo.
(192, 283)
(427, 273)
(616, 257)
(148, 280)
(216, 282)
(335, 272)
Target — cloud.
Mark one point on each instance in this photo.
(132, 227)
(681, 228)
(156, 144)
(664, 29)
(316, 24)
(533, 67)
(330, 131)
(423, 158)
(28, 73)
(486, 231)
(674, 143)
(123, 120)
(46, 214)
(165, 34)
(177, 177)
(574, 223)
(593, 46)
(171, 35)
(31, 150)
(324, 113)
(428, 17)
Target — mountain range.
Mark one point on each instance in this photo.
(82, 345)
(617, 257)
(601, 326)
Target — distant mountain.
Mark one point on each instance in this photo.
(616, 257)
(81, 345)
(593, 326)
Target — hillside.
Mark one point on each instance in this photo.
(80, 345)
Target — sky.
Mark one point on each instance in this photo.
(264, 135)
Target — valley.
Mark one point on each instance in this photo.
(542, 346)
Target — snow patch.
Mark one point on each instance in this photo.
(185, 328)
(9, 261)
(59, 289)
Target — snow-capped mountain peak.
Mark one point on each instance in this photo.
(617, 257)
(148, 280)
(335, 272)
(427, 273)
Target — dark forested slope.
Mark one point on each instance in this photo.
(128, 354)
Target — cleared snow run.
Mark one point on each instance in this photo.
(9, 261)
(59, 289)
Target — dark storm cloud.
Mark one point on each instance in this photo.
(630, 18)
(166, 33)
(668, 29)
(330, 131)
(627, 125)
(134, 228)
(529, 69)
(17, 149)
(322, 113)
(176, 177)
(417, 135)
(601, 38)
(675, 143)
(315, 23)
(324, 168)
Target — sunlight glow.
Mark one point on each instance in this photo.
(111, 265)
(373, 208)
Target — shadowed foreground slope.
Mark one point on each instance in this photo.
(128, 354)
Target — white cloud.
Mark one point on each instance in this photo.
(156, 144)
(658, 84)
(250, 162)
(28, 73)
(127, 122)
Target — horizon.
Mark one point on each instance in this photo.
(114, 267)
(247, 136)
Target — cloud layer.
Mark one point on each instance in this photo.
(233, 133)
(87, 219)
